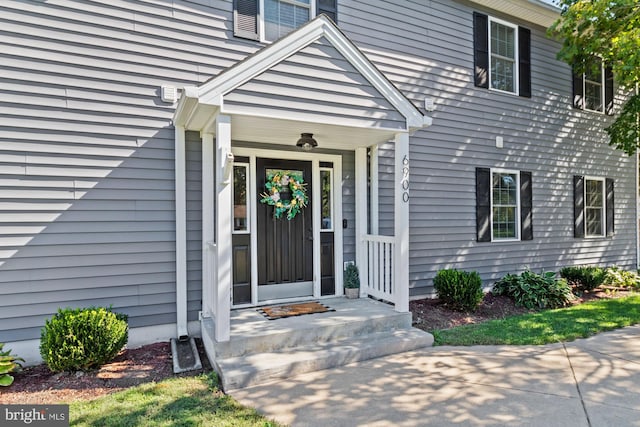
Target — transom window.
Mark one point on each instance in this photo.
(594, 207)
(283, 16)
(505, 198)
(503, 53)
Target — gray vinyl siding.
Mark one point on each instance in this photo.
(428, 51)
(87, 210)
(318, 84)
(87, 147)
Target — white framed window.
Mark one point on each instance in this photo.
(505, 205)
(241, 199)
(594, 207)
(593, 86)
(503, 56)
(326, 199)
(280, 17)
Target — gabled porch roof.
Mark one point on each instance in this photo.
(199, 105)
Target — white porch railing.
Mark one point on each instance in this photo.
(378, 277)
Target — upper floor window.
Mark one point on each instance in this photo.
(502, 55)
(283, 16)
(268, 20)
(593, 89)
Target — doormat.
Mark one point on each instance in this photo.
(282, 311)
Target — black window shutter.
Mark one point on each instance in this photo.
(608, 90)
(483, 204)
(481, 49)
(578, 91)
(526, 205)
(329, 8)
(245, 19)
(524, 61)
(610, 207)
(578, 206)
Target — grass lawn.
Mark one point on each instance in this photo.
(186, 401)
(550, 326)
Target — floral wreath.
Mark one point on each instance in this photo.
(274, 185)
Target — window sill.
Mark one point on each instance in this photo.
(504, 92)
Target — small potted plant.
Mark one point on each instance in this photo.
(352, 281)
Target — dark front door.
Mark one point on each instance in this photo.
(285, 246)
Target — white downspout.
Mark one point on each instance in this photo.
(181, 233)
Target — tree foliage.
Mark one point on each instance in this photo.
(609, 29)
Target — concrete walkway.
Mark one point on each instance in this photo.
(591, 382)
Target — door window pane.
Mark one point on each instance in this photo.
(327, 205)
(240, 206)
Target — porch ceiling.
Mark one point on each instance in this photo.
(286, 132)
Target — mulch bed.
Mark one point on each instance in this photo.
(38, 385)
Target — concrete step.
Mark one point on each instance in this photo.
(260, 368)
(265, 337)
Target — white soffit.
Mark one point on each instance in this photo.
(536, 11)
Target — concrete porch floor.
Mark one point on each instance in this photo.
(262, 350)
(250, 323)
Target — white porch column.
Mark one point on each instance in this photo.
(223, 227)
(181, 232)
(208, 219)
(374, 202)
(401, 223)
(361, 218)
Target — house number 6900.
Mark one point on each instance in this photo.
(405, 179)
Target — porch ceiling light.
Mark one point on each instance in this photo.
(306, 141)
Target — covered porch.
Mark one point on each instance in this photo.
(251, 115)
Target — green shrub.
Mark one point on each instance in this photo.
(80, 339)
(615, 276)
(584, 277)
(9, 363)
(533, 290)
(460, 290)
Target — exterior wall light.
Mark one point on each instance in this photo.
(306, 142)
